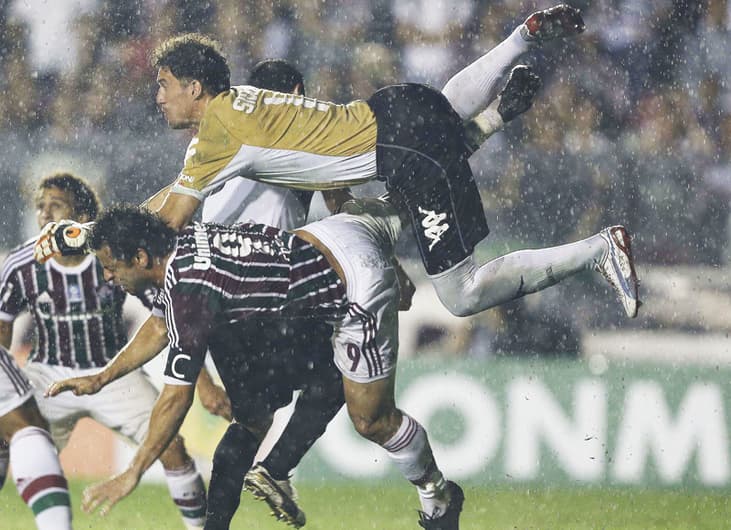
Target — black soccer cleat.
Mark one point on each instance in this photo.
(517, 95)
(556, 22)
(449, 520)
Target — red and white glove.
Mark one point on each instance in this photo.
(64, 238)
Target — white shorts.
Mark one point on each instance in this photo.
(15, 389)
(365, 342)
(123, 406)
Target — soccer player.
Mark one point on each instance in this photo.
(79, 328)
(278, 352)
(409, 135)
(36, 469)
(338, 269)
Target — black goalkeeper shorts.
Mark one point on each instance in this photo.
(262, 361)
(422, 157)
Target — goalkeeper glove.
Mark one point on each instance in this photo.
(64, 238)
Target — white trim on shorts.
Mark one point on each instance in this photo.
(365, 342)
(15, 389)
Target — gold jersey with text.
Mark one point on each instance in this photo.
(283, 139)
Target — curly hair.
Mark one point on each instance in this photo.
(194, 56)
(127, 229)
(84, 198)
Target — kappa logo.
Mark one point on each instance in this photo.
(433, 230)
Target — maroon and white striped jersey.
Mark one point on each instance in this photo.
(219, 275)
(77, 315)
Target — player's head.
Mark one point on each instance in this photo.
(277, 74)
(132, 245)
(65, 196)
(190, 69)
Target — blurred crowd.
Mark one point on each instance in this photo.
(632, 125)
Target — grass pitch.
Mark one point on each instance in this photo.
(353, 506)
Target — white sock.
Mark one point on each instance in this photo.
(466, 289)
(39, 478)
(189, 494)
(472, 89)
(489, 120)
(4, 462)
(411, 453)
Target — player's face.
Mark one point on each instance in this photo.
(53, 204)
(176, 99)
(129, 276)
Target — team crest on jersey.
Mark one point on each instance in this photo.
(74, 294)
(433, 226)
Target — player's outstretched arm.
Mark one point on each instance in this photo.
(149, 340)
(165, 421)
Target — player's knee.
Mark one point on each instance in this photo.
(225, 455)
(459, 306)
(460, 310)
(258, 427)
(376, 428)
(367, 427)
(235, 451)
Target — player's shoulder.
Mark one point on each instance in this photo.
(22, 253)
(232, 100)
(221, 113)
(18, 257)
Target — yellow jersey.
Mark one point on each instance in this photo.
(282, 139)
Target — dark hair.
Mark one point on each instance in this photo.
(194, 56)
(126, 229)
(84, 198)
(276, 74)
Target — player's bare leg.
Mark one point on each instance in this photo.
(185, 484)
(373, 411)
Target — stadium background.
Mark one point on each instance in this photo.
(632, 125)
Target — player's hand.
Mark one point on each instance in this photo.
(106, 494)
(79, 386)
(64, 238)
(214, 399)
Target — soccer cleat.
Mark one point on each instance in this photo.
(617, 266)
(280, 495)
(449, 520)
(517, 95)
(553, 23)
